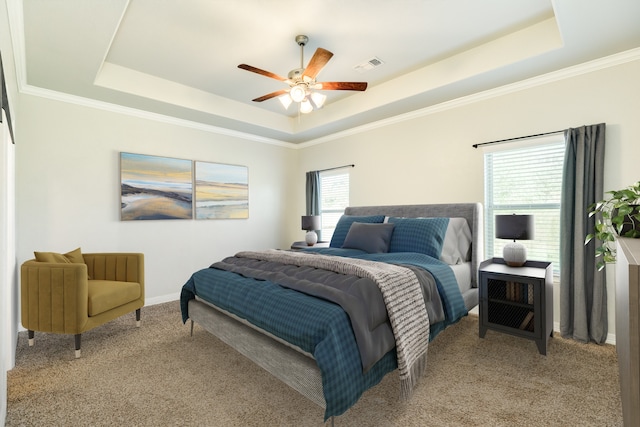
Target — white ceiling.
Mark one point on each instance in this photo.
(179, 58)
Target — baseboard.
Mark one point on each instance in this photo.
(162, 299)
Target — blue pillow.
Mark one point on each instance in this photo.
(371, 238)
(344, 224)
(421, 235)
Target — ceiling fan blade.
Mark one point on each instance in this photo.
(262, 72)
(360, 86)
(270, 95)
(318, 61)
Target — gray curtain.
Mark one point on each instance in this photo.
(313, 193)
(583, 289)
(313, 196)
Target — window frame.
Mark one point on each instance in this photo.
(330, 216)
(493, 246)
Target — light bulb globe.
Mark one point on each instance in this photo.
(285, 100)
(318, 99)
(298, 93)
(306, 107)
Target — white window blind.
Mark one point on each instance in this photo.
(334, 198)
(526, 180)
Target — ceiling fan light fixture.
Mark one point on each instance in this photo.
(298, 93)
(302, 81)
(318, 99)
(285, 100)
(306, 107)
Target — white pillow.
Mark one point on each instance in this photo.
(457, 242)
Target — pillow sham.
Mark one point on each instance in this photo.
(421, 235)
(457, 242)
(344, 224)
(371, 238)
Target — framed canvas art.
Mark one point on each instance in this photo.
(154, 187)
(221, 191)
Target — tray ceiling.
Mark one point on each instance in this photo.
(179, 59)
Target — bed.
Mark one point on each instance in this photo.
(312, 318)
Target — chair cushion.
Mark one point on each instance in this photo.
(105, 295)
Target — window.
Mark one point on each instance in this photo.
(334, 198)
(526, 180)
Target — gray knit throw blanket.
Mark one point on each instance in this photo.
(401, 293)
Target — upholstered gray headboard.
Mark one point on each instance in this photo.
(472, 212)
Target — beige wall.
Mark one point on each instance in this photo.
(430, 158)
(68, 191)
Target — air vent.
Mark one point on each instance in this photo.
(368, 65)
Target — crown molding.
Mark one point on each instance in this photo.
(569, 72)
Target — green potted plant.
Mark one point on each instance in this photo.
(617, 216)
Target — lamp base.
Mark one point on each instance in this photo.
(514, 254)
(311, 238)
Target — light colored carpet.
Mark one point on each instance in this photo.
(158, 375)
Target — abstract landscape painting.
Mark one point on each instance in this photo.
(155, 187)
(222, 191)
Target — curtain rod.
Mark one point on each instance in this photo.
(516, 138)
(337, 167)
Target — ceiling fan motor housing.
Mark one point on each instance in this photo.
(295, 74)
(302, 40)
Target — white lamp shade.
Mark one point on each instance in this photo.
(318, 99)
(285, 100)
(297, 93)
(306, 107)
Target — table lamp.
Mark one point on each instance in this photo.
(514, 227)
(311, 223)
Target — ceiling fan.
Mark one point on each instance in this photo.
(302, 81)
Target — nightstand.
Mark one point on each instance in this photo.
(517, 300)
(303, 245)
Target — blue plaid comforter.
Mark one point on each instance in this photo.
(317, 326)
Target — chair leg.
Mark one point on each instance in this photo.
(138, 318)
(31, 338)
(78, 338)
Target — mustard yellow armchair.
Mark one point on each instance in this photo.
(61, 294)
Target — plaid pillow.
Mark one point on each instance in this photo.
(421, 235)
